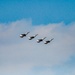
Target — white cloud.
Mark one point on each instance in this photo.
(14, 50)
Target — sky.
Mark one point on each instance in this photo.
(40, 11)
(47, 18)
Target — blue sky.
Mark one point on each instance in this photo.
(40, 11)
(50, 18)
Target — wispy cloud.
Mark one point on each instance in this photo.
(21, 54)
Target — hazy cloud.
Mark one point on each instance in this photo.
(22, 54)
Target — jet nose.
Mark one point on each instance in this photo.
(37, 41)
(45, 42)
(21, 35)
(29, 38)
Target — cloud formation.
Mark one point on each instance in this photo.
(17, 53)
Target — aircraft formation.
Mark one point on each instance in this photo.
(32, 37)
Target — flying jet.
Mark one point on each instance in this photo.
(48, 41)
(40, 40)
(32, 37)
(23, 35)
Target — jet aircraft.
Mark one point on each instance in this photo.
(23, 35)
(48, 41)
(32, 37)
(40, 40)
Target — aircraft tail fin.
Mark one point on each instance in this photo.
(36, 35)
(27, 33)
(51, 39)
(44, 38)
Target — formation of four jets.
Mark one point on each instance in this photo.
(32, 37)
